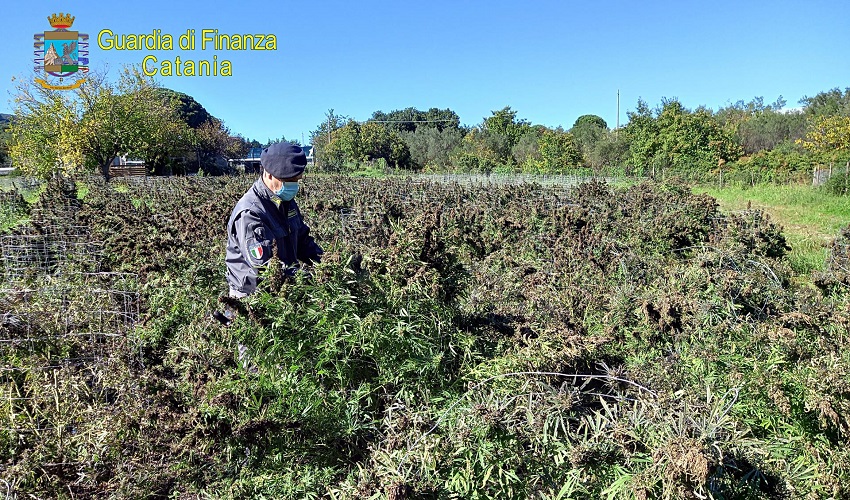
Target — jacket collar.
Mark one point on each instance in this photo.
(264, 193)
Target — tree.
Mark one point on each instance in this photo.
(430, 147)
(588, 130)
(367, 142)
(119, 118)
(5, 137)
(590, 121)
(190, 111)
(558, 151)
(611, 150)
(829, 136)
(757, 126)
(676, 137)
(503, 122)
(86, 129)
(212, 140)
(43, 134)
(321, 136)
(643, 135)
(829, 103)
(412, 119)
(161, 134)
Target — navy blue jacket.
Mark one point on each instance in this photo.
(258, 219)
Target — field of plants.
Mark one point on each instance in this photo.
(459, 340)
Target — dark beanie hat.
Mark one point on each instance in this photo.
(283, 160)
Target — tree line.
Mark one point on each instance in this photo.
(86, 129)
(744, 135)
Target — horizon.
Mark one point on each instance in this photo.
(551, 62)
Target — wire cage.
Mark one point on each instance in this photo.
(60, 342)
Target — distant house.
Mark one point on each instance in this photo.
(123, 166)
(308, 150)
(251, 161)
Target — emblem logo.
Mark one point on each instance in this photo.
(62, 56)
(256, 251)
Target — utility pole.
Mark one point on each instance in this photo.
(618, 113)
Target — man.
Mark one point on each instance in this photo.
(267, 216)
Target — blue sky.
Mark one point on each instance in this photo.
(551, 61)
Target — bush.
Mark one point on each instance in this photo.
(838, 184)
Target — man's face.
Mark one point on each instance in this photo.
(275, 184)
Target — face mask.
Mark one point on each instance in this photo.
(287, 191)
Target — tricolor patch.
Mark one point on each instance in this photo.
(256, 251)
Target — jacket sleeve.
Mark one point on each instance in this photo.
(308, 249)
(253, 250)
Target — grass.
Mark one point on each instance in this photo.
(810, 217)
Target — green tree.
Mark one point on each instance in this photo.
(643, 134)
(588, 130)
(559, 153)
(358, 143)
(212, 141)
(829, 103)
(5, 137)
(757, 126)
(610, 151)
(678, 138)
(590, 121)
(527, 148)
(412, 119)
(481, 151)
(321, 136)
(161, 135)
(504, 122)
(431, 148)
(43, 135)
(119, 118)
(189, 110)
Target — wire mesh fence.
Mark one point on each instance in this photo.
(66, 328)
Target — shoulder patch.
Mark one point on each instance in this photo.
(256, 251)
(293, 213)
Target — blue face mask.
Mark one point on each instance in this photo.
(287, 191)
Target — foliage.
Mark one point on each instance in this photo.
(588, 130)
(678, 138)
(558, 153)
(784, 158)
(431, 148)
(412, 119)
(456, 341)
(43, 134)
(481, 150)
(5, 137)
(832, 102)
(610, 151)
(190, 111)
(760, 127)
(86, 129)
(504, 123)
(212, 140)
(321, 136)
(366, 142)
(828, 136)
(838, 184)
(590, 121)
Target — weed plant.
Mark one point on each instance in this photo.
(457, 341)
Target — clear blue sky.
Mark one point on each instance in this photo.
(551, 61)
